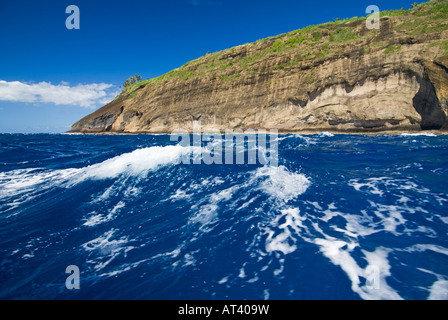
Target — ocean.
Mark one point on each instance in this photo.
(121, 217)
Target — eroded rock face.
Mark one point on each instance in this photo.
(352, 91)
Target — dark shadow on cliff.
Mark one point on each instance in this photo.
(428, 106)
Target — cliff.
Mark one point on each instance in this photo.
(338, 76)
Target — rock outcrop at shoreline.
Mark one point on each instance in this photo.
(338, 77)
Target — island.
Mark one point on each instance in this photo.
(339, 76)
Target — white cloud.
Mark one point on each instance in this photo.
(84, 95)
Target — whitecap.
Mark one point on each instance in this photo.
(282, 184)
(25, 184)
(136, 163)
(22, 181)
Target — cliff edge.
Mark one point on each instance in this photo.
(338, 76)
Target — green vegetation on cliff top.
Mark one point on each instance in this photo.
(324, 41)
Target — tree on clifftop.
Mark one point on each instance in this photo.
(131, 81)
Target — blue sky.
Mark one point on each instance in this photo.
(50, 76)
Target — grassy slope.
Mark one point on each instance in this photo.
(324, 41)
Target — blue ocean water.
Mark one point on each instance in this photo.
(340, 217)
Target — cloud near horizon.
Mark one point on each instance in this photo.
(83, 95)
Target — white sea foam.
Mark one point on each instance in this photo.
(252, 280)
(374, 185)
(370, 185)
(122, 268)
(431, 247)
(18, 182)
(266, 294)
(206, 214)
(326, 134)
(288, 228)
(96, 219)
(339, 253)
(25, 184)
(282, 184)
(180, 194)
(104, 243)
(106, 249)
(223, 280)
(291, 229)
(443, 219)
(136, 163)
(189, 260)
(429, 134)
(283, 137)
(390, 215)
(378, 288)
(338, 239)
(308, 140)
(209, 211)
(439, 290)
